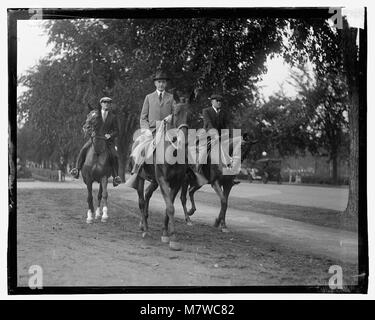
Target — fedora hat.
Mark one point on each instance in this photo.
(160, 75)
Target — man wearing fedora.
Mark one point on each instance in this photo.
(215, 118)
(157, 105)
(104, 119)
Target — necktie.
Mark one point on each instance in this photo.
(160, 97)
(104, 115)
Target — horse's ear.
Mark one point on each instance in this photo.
(194, 94)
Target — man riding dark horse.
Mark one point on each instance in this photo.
(216, 119)
(100, 120)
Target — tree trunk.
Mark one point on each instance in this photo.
(352, 207)
(354, 80)
(334, 157)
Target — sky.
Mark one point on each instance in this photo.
(32, 46)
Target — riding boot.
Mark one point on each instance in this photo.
(80, 161)
(116, 178)
(133, 180)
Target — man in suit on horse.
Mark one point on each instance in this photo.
(216, 118)
(101, 120)
(157, 106)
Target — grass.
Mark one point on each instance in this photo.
(317, 216)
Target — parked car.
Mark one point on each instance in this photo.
(266, 169)
(253, 174)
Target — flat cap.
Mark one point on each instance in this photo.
(105, 99)
(216, 96)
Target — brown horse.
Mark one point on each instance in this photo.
(97, 168)
(222, 185)
(169, 176)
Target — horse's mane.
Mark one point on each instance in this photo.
(92, 122)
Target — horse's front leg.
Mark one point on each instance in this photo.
(100, 195)
(90, 203)
(104, 184)
(169, 231)
(227, 187)
(184, 188)
(141, 204)
(223, 204)
(148, 194)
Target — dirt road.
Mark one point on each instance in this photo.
(260, 250)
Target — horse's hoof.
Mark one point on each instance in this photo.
(104, 219)
(216, 224)
(174, 245)
(165, 239)
(191, 212)
(97, 214)
(145, 235)
(189, 223)
(225, 230)
(89, 221)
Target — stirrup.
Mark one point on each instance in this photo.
(75, 173)
(116, 181)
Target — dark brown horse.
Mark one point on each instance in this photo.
(222, 185)
(169, 176)
(97, 168)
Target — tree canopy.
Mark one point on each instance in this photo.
(92, 58)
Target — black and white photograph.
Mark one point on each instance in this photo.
(187, 150)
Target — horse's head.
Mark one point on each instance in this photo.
(180, 116)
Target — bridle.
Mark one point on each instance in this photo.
(169, 139)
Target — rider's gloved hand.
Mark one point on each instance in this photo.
(107, 136)
(147, 132)
(168, 118)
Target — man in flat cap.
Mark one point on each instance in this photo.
(102, 120)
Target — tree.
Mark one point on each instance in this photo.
(353, 77)
(334, 50)
(325, 104)
(93, 57)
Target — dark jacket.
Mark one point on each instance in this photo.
(94, 124)
(218, 121)
(109, 126)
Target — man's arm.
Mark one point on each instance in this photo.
(144, 115)
(227, 121)
(114, 127)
